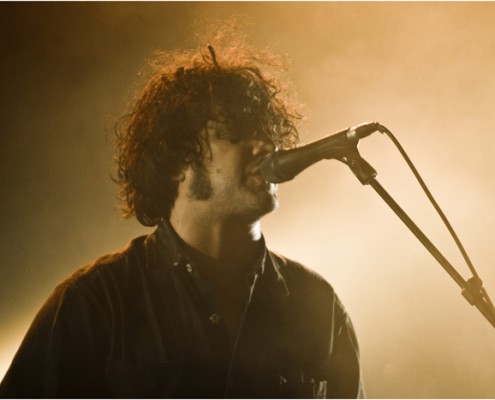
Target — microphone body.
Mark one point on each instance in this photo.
(284, 165)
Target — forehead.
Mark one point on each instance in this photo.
(242, 113)
(248, 107)
(218, 128)
(225, 126)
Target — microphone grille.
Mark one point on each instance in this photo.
(268, 171)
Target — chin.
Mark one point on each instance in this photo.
(269, 204)
(254, 211)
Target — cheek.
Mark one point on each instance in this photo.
(229, 164)
(229, 160)
(227, 172)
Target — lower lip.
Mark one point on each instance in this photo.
(260, 181)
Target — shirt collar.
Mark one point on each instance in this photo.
(170, 252)
(273, 272)
(169, 244)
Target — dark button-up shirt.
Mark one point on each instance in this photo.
(142, 323)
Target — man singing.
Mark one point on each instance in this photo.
(200, 308)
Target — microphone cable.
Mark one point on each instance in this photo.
(475, 280)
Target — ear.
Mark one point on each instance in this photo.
(162, 151)
(181, 176)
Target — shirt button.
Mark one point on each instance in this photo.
(189, 267)
(215, 318)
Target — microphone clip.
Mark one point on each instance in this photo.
(359, 166)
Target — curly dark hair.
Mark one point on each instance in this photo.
(160, 136)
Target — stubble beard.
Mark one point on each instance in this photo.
(258, 202)
(200, 187)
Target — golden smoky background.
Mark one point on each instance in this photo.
(424, 70)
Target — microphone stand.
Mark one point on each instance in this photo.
(472, 289)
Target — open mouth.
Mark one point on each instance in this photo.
(255, 175)
(257, 181)
(253, 172)
(255, 167)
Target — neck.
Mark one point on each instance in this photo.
(217, 244)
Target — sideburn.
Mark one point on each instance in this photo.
(200, 186)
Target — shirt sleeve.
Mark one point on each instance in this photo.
(61, 354)
(343, 364)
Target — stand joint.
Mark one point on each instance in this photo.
(472, 290)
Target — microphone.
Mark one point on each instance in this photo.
(284, 165)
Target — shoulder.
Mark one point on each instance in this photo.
(109, 264)
(312, 299)
(297, 274)
(106, 275)
(92, 291)
(307, 287)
